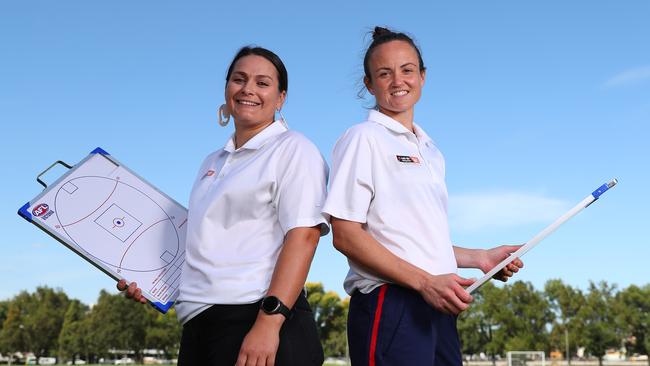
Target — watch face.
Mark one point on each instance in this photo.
(270, 304)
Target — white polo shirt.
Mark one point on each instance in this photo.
(392, 181)
(243, 203)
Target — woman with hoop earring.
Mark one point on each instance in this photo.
(254, 223)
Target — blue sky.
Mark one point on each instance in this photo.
(534, 105)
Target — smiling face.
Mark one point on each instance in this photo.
(252, 93)
(395, 79)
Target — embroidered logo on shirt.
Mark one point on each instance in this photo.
(209, 173)
(408, 159)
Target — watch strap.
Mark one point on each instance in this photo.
(280, 308)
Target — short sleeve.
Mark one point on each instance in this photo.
(351, 183)
(302, 186)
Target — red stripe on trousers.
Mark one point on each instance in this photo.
(375, 325)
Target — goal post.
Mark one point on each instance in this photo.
(526, 358)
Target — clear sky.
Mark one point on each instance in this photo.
(534, 104)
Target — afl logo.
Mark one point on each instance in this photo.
(40, 210)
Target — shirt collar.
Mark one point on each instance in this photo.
(393, 125)
(421, 135)
(259, 140)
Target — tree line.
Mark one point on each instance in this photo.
(507, 318)
(517, 317)
(49, 323)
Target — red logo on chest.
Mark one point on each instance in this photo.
(209, 173)
(408, 159)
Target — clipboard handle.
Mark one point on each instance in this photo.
(38, 177)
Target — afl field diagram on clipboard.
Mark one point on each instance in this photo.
(118, 222)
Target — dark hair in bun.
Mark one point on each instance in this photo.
(379, 32)
(381, 35)
(283, 76)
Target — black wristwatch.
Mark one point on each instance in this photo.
(272, 305)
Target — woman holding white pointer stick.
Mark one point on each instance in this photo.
(388, 209)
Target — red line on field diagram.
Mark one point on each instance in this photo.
(136, 238)
(98, 207)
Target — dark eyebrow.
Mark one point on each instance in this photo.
(408, 63)
(241, 73)
(383, 68)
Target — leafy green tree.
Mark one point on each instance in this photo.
(34, 321)
(13, 336)
(44, 320)
(633, 316)
(596, 315)
(470, 326)
(163, 332)
(72, 336)
(525, 318)
(337, 342)
(477, 324)
(331, 317)
(564, 301)
(93, 348)
(4, 309)
(116, 323)
(494, 311)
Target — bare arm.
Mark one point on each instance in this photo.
(293, 264)
(261, 343)
(444, 292)
(486, 259)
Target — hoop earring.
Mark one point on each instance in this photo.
(282, 120)
(223, 115)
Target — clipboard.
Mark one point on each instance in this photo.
(543, 234)
(117, 221)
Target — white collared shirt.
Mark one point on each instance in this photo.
(243, 203)
(392, 181)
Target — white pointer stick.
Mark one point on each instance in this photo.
(543, 234)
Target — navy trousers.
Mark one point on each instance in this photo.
(394, 326)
